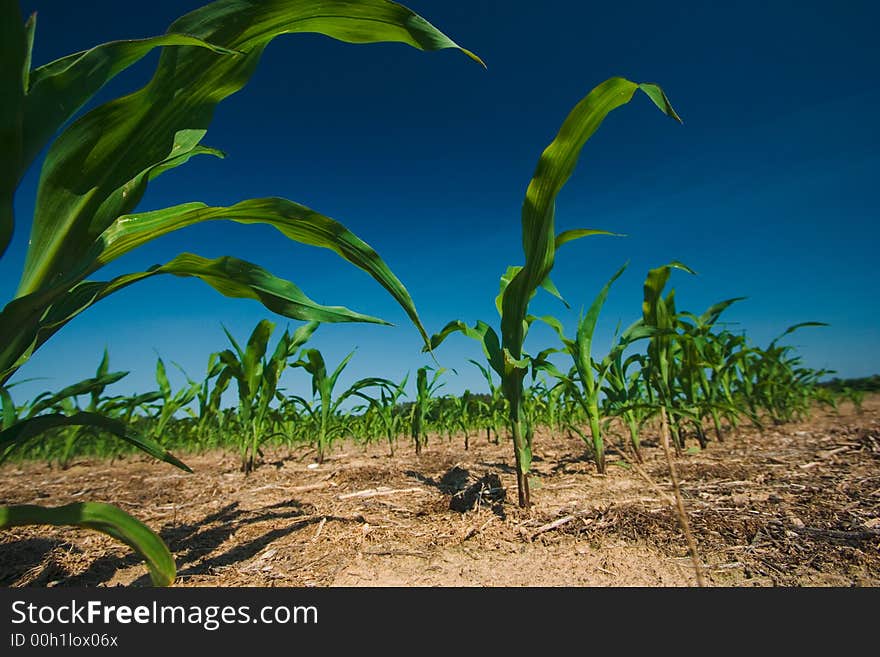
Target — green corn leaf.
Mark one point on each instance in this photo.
(554, 168)
(229, 276)
(257, 344)
(482, 333)
(547, 284)
(658, 96)
(577, 233)
(356, 390)
(556, 325)
(22, 431)
(7, 405)
(301, 336)
(295, 221)
(235, 346)
(87, 386)
(104, 518)
(14, 55)
(712, 313)
(58, 89)
(30, 26)
(587, 326)
(104, 365)
(333, 377)
(636, 331)
(792, 329)
(162, 380)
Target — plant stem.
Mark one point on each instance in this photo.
(679, 502)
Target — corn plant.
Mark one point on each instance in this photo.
(540, 244)
(97, 170)
(65, 401)
(455, 413)
(387, 410)
(699, 356)
(495, 407)
(855, 396)
(324, 408)
(424, 402)
(208, 397)
(781, 387)
(584, 384)
(170, 402)
(257, 376)
(658, 312)
(625, 394)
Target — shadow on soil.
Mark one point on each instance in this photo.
(467, 492)
(189, 543)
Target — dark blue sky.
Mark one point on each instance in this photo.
(768, 190)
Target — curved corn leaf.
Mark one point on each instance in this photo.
(567, 236)
(7, 405)
(656, 312)
(636, 331)
(482, 333)
(47, 400)
(56, 90)
(254, 351)
(21, 333)
(14, 55)
(712, 313)
(20, 432)
(356, 390)
(547, 284)
(554, 168)
(91, 168)
(301, 336)
(106, 519)
(335, 376)
(792, 329)
(293, 220)
(586, 328)
(312, 361)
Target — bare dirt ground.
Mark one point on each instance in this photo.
(792, 505)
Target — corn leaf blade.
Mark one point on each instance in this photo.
(20, 432)
(104, 518)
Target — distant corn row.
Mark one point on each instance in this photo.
(711, 380)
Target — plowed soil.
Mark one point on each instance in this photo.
(789, 505)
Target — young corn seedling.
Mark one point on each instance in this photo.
(540, 244)
(387, 410)
(325, 415)
(170, 402)
(97, 170)
(65, 402)
(658, 312)
(624, 395)
(585, 383)
(423, 403)
(256, 376)
(495, 407)
(207, 412)
(699, 354)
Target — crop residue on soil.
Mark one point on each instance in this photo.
(792, 505)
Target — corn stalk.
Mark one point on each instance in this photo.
(540, 244)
